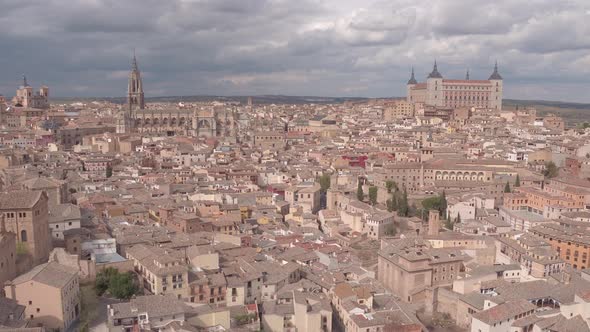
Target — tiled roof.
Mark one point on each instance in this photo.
(504, 311)
(52, 274)
(21, 199)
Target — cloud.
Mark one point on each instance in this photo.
(304, 47)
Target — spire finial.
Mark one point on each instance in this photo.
(495, 75)
(435, 73)
(134, 63)
(412, 78)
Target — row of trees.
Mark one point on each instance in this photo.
(397, 202)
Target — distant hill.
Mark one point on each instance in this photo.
(572, 112)
(264, 99)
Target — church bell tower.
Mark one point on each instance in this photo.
(135, 87)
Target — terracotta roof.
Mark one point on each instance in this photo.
(52, 274)
(504, 311)
(20, 199)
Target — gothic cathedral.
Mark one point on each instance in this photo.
(200, 120)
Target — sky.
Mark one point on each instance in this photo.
(360, 48)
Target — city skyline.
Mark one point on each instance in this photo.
(320, 48)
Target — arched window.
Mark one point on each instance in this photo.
(23, 236)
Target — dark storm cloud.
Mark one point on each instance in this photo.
(303, 47)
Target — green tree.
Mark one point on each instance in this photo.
(391, 186)
(324, 181)
(449, 224)
(390, 230)
(103, 279)
(551, 170)
(392, 203)
(119, 285)
(507, 187)
(403, 207)
(517, 181)
(443, 203)
(360, 195)
(109, 171)
(122, 285)
(435, 203)
(373, 195)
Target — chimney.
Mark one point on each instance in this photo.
(433, 222)
(12, 293)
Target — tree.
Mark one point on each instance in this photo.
(119, 285)
(360, 195)
(551, 170)
(435, 203)
(390, 230)
(391, 186)
(324, 181)
(449, 224)
(109, 171)
(103, 278)
(403, 207)
(507, 187)
(392, 203)
(517, 181)
(373, 195)
(443, 204)
(122, 286)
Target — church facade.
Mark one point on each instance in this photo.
(451, 93)
(26, 97)
(206, 121)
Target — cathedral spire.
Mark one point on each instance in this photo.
(495, 75)
(412, 78)
(134, 62)
(25, 81)
(435, 73)
(467, 74)
(135, 87)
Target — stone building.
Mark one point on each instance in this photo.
(208, 121)
(27, 216)
(73, 134)
(7, 253)
(25, 97)
(409, 266)
(398, 109)
(51, 294)
(162, 272)
(440, 92)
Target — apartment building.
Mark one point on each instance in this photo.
(51, 294)
(163, 271)
(408, 266)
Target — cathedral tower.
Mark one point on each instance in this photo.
(135, 87)
(434, 87)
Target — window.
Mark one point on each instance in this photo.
(23, 236)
